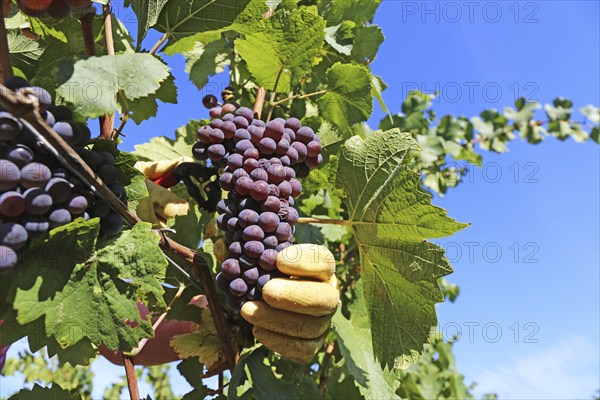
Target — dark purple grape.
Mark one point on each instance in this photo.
(245, 112)
(259, 123)
(257, 135)
(275, 161)
(283, 246)
(271, 204)
(253, 232)
(253, 294)
(270, 242)
(241, 122)
(314, 162)
(289, 173)
(267, 260)
(13, 235)
(260, 190)
(228, 129)
(12, 204)
(232, 224)
(222, 282)
(292, 217)
(296, 187)
(268, 221)
(291, 201)
(293, 124)
(301, 151)
(313, 149)
(221, 222)
(226, 181)
(228, 117)
(282, 147)
(247, 217)
(235, 249)
(239, 173)
(231, 268)
(262, 281)
(249, 203)
(8, 259)
(216, 136)
(273, 190)
(276, 174)
(77, 205)
(259, 174)
(108, 174)
(35, 175)
(305, 135)
(244, 185)
(228, 108)
(274, 130)
(250, 276)
(251, 153)
(250, 165)
(285, 160)
(243, 145)
(238, 287)
(241, 134)
(237, 236)
(215, 112)
(292, 154)
(38, 201)
(303, 171)
(20, 155)
(235, 161)
(285, 189)
(60, 217)
(221, 207)
(253, 249)
(267, 146)
(216, 123)
(210, 101)
(283, 231)
(35, 225)
(216, 152)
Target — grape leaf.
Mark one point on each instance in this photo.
(147, 13)
(355, 343)
(163, 148)
(54, 392)
(91, 85)
(203, 343)
(179, 19)
(285, 50)
(147, 107)
(348, 99)
(391, 217)
(359, 11)
(98, 282)
(207, 60)
(366, 43)
(25, 53)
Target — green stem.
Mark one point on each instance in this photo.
(271, 108)
(159, 43)
(299, 97)
(324, 221)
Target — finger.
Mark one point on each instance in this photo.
(307, 260)
(157, 169)
(304, 297)
(300, 350)
(260, 314)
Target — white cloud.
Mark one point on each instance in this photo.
(568, 370)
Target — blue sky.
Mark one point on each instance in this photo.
(528, 267)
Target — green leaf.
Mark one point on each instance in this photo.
(366, 43)
(25, 53)
(147, 107)
(91, 85)
(348, 99)
(99, 283)
(391, 217)
(147, 13)
(330, 38)
(54, 392)
(188, 228)
(207, 60)
(285, 50)
(183, 18)
(163, 148)
(203, 343)
(356, 345)
(359, 11)
(189, 369)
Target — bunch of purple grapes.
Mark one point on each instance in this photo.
(261, 163)
(36, 193)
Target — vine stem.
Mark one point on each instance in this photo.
(108, 125)
(6, 70)
(26, 109)
(324, 221)
(271, 108)
(259, 103)
(134, 392)
(160, 42)
(326, 364)
(299, 97)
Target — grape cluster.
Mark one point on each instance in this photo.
(36, 193)
(261, 163)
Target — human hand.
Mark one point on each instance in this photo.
(295, 316)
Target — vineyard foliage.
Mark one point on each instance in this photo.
(77, 291)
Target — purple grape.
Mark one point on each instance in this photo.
(216, 152)
(314, 162)
(245, 112)
(260, 190)
(231, 268)
(259, 174)
(226, 181)
(273, 190)
(313, 149)
(247, 262)
(262, 281)
(228, 129)
(276, 174)
(235, 249)
(271, 204)
(204, 134)
(20, 155)
(251, 275)
(292, 217)
(216, 136)
(215, 112)
(244, 185)
(252, 153)
(282, 147)
(301, 150)
(268, 221)
(12, 204)
(35, 175)
(257, 135)
(235, 161)
(253, 233)
(38, 201)
(253, 249)
(293, 124)
(77, 205)
(239, 173)
(221, 222)
(250, 165)
(267, 146)
(216, 123)
(222, 282)
(283, 231)
(267, 260)
(305, 135)
(283, 246)
(274, 130)
(247, 217)
(60, 217)
(238, 287)
(13, 235)
(228, 108)
(270, 242)
(241, 122)
(292, 154)
(296, 187)
(243, 145)
(8, 259)
(232, 224)
(259, 123)
(285, 189)
(241, 134)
